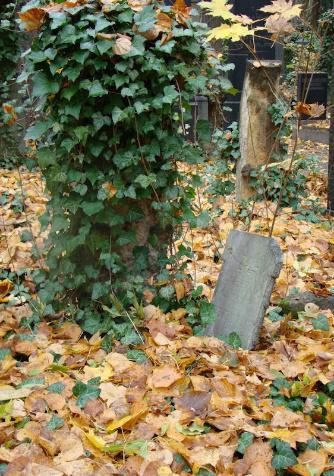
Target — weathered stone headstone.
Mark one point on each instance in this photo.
(251, 263)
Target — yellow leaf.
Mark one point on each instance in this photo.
(285, 8)
(219, 8)
(138, 411)
(96, 441)
(229, 32)
(180, 290)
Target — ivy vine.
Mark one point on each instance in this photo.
(115, 81)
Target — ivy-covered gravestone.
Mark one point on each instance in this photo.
(116, 80)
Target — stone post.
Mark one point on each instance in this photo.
(257, 131)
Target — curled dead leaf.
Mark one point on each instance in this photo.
(5, 288)
(122, 45)
(33, 19)
(312, 110)
(138, 5)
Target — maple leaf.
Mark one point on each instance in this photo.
(285, 8)
(182, 12)
(219, 8)
(278, 26)
(232, 32)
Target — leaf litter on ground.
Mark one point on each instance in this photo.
(178, 404)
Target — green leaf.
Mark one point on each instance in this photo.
(36, 131)
(138, 356)
(207, 313)
(170, 94)
(203, 130)
(4, 352)
(145, 19)
(55, 423)
(245, 440)
(86, 391)
(205, 472)
(42, 85)
(146, 180)
(92, 208)
(320, 323)
(283, 461)
(284, 457)
(57, 387)
(32, 382)
(117, 115)
(135, 447)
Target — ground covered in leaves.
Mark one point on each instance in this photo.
(178, 404)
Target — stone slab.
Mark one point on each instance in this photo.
(251, 264)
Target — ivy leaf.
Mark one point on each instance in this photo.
(245, 440)
(55, 423)
(320, 323)
(283, 461)
(145, 19)
(138, 356)
(145, 180)
(57, 387)
(207, 312)
(284, 457)
(170, 94)
(117, 115)
(43, 86)
(92, 208)
(86, 391)
(37, 130)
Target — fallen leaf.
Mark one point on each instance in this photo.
(123, 45)
(164, 377)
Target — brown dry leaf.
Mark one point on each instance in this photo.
(283, 417)
(278, 26)
(5, 288)
(164, 377)
(312, 110)
(68, 331)
(109, 187)
(310, 463)
(122, 45)
(138, 5)
(70, 445)
(196, 402)
(33, 18)
(258, 453)
(164, 22)
(182, 11)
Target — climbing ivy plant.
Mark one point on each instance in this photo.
(115, 81)
(10, 41)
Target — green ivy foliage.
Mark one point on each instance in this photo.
(9, 56)
(110, 143)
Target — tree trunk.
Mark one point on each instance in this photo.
(258, 139)
(330, 195)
